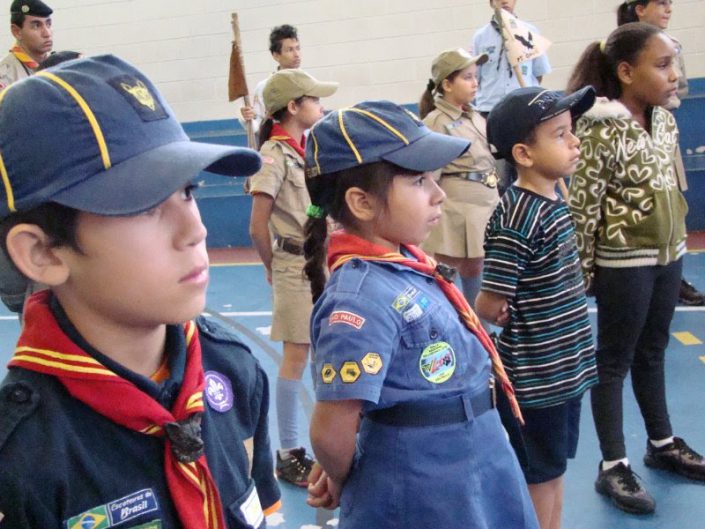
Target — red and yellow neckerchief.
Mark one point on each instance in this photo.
(343, 247)
(23, 57)
(45, 348)
(279, 134)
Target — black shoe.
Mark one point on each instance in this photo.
(689, 295)
(620, 484)
(296, 468)
(676, 457)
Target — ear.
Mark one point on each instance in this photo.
(32, 254)
(292, 107)
(522, 155)
(639, 10)
(16, 31)
(363, 206)
(625, 72)
(446, 85)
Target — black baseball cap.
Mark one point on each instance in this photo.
(35, 8)
(515, 116)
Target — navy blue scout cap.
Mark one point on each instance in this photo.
(94, 134)
(35, 8)
(515, 116)
(374, 131)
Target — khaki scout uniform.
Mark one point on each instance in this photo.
(282, 178)
(470, 183)
(11, 70)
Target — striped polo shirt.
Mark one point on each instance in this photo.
(531, 258)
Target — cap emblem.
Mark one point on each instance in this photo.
(25, 8)
(141, 93)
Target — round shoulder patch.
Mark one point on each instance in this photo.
(219, 391)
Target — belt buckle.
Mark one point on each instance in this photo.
(491, 179)
(493, 392)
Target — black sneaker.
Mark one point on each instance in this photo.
(676, 457)
(296, 468)
(689, 295)
(620, 484)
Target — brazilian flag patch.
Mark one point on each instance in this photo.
(96, 518)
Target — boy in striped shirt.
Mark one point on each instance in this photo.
(533, 287)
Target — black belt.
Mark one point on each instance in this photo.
(461, 408)
(489, 178)
(289, 245)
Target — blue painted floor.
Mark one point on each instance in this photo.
(240, 295)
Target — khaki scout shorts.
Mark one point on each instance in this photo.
(292, 299)
(466, 211)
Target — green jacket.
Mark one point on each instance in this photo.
(624, 195)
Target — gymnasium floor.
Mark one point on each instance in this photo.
(240, 296)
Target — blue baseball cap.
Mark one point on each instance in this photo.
(94, 134)
(521, 110)
(375, 131)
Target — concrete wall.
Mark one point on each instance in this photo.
(374, 48)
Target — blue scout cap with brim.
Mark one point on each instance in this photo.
(35, 8)
(375, 131)
(520, 111)
(94, 134)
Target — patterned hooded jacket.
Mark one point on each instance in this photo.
(624, 195)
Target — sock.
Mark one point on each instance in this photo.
(606, 465)
(661, 442)
(287, 412)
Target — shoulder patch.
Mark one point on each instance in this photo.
(17, 401)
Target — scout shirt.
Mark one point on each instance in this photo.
(496, 77)
(282, 178)
(386, 334)
(66, 466)
(12, 69)
(468, 125)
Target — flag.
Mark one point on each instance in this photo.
(521, 42)
(237, 83)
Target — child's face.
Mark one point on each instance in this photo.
(140, 271)
(463, 88)
(507, 5)
(653, 80)
(556, 150)
(290, 56)
(656, 12)
(309, 111)
(413, 208)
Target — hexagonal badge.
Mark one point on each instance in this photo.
(328, 373)
(372, 363)
(350, 372)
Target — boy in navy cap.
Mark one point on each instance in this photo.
(30, 23)
(533, 286)
(118, 407)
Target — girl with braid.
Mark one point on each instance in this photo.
(402, 364)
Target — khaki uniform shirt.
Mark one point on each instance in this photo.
(282, 178)
(469, 125)
(11, 70)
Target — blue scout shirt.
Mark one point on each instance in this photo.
(64, 465)
(386, 334)
(496, 77)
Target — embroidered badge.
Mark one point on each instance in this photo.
(414, 313)
(328, 373)
(251, 509)
(437, 362)
(403, 299)
(132, 506)
(96, 518)
(219, 392)
(268, 160)
(348, 318)
(138, 94)
(350, 372)
(154, 524)
(117, 512)
(371, 363)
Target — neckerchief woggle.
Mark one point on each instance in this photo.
(23, 57)
(43, 347)
(344, 247)
(279, 134)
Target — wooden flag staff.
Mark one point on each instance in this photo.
(237, 82)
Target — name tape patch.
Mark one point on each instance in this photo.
(348, 318)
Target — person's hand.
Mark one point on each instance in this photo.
(503, 317)
(268, 275)
(323, 492)
(248, 114)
